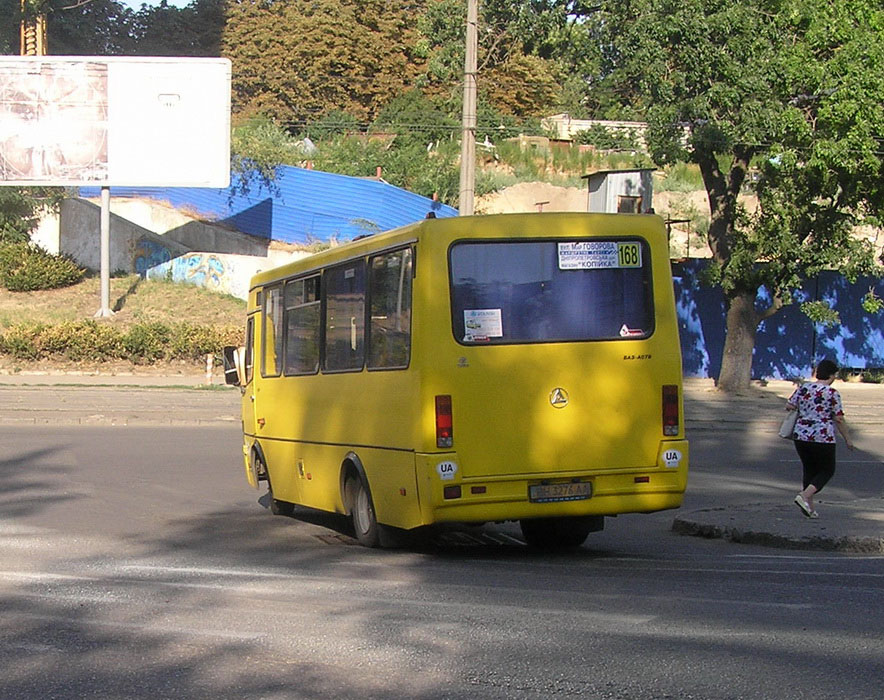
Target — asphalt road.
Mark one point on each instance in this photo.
(135, 562)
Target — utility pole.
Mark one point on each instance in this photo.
(32, 33)
(468, 137)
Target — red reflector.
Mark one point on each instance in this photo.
(643, 480)
(670, 409)
(444, 422)
(478, 489)
(451, 492)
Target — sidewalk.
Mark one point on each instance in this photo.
(764, 407)
(189, 400)
(852, 526)
(118, 399)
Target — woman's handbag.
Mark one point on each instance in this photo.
(787, 429)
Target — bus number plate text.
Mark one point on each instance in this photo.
(551, 493)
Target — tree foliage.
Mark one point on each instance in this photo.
(110, 28)
(527, 52)
(791, 91)
(21, 209)
(295, 60)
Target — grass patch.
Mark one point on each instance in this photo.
(134, 300)
(156, 322)
(680, 177)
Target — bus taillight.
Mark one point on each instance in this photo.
(444, 423)
(670, 409)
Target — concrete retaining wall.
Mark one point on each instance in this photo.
(143, 235)
(133, 248)
(220, 272)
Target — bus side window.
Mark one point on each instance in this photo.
(389, 332)
(271, 363)
(302, 326)
(250, 344)
(344, 317)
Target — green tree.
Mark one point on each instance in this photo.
(790, 89)
(527, 51)
(109, 28)
(415, 117)
(98, 28)
(21, 209)
(294, 61)
(258, 147)
(193, 30)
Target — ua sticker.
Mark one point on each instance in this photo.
(672, 458)
(446, 470)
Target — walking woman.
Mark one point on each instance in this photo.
(819, 414)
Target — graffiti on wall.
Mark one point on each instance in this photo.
(222, 273)
(201, 269)
(149, 253)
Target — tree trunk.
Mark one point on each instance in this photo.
(739, 343)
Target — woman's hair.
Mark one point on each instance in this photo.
(826, 369)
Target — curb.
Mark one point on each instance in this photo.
(707, 523)
(122, 422)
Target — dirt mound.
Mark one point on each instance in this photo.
(531, 197)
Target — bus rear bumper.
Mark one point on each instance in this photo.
(469, 510)
(613, 492)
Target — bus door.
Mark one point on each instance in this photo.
(248, 402)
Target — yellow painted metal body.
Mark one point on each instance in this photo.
(507, 433)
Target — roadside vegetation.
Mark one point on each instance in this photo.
(155, 323)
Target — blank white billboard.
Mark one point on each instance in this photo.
(115, 121)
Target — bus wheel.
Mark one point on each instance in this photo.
(559, 533)
(365, 523)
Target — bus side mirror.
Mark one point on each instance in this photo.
(233, 366)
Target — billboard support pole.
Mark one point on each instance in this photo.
(105, 310)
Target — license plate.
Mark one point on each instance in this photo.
(551, 493)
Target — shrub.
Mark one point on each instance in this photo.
(19, 341)
(26, 268)
(681, 177)
(147, 342)
(90, 340)
(80, 340)
(195, 342)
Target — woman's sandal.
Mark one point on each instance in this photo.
(805, 507)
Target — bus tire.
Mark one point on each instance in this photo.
(559, 533)
(365, 522)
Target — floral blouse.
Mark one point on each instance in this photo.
(817, 404)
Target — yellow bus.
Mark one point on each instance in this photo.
(518, 367)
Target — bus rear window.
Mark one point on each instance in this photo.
(551, 290)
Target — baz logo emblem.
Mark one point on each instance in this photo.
(558, 398)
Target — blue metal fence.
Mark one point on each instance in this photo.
(788, 344)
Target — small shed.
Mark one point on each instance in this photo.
(621, 191)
